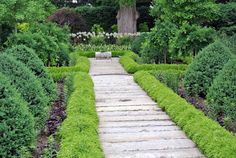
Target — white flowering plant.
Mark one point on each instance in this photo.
(110, 38)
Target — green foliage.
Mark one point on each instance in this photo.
(23, 27)
(181, 11)
(125, 3)
(32, 61)
(79, 132)
(230, 42)
(226, 22)
(16, 11)
(102, 48)
(51, 149)
(131, 66)
(205, 68)
(17, 124)
(143, 27)
(155, 48)
(105, 16)
(137, 43)
(221, 96)
(212, 139)
(48, 40)
(179, 29)
(190, 39)
(171, 78)
(91, 54)
(124, 40)
(97, 29)
(79, 63)
(114, 28)
(28, 85)
(97, 40)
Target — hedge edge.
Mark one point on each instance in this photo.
(212, 139)
(79, 131)
(128, 61)
(82, 64)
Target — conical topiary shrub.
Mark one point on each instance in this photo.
(205, 68)
(16, 122)
(31, 60)
(222, 96)
(28, 85)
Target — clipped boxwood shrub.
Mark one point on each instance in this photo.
(17, 124)
(205, 67)
(222, 95)
(79, 132)
(28, 85)
(31, 60)
(212, 139)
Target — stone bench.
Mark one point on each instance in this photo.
(103, 55)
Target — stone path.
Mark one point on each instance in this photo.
(131, 124)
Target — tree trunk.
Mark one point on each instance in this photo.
(127, 19)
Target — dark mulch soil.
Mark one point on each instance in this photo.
(198, 102)
(56, 117)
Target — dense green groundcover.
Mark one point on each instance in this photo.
(222, 95)
(31, 60)
(17, 124)
(210, 137)
(205, 67)
(78, 133)
(28, 85)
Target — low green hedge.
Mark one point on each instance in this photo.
(91, 54)
(79, 135)
(81, 64)
(131, 66)
(210, 137)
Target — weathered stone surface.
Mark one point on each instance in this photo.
(131, 124)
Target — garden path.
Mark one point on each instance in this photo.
(131, 124)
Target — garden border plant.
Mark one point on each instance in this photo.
(79, 63)
(78, 133)
(128, 61)
(212, 139)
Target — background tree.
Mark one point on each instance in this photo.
(127, 16)
(189, 18)
(13, 12)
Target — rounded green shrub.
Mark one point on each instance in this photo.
(205, 67)
(28, 85)
(31, 60)
(17, 124)
(222, 95)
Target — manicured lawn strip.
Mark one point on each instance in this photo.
(78, 133)
(210, 137)
(131, 66)
(81, 64)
